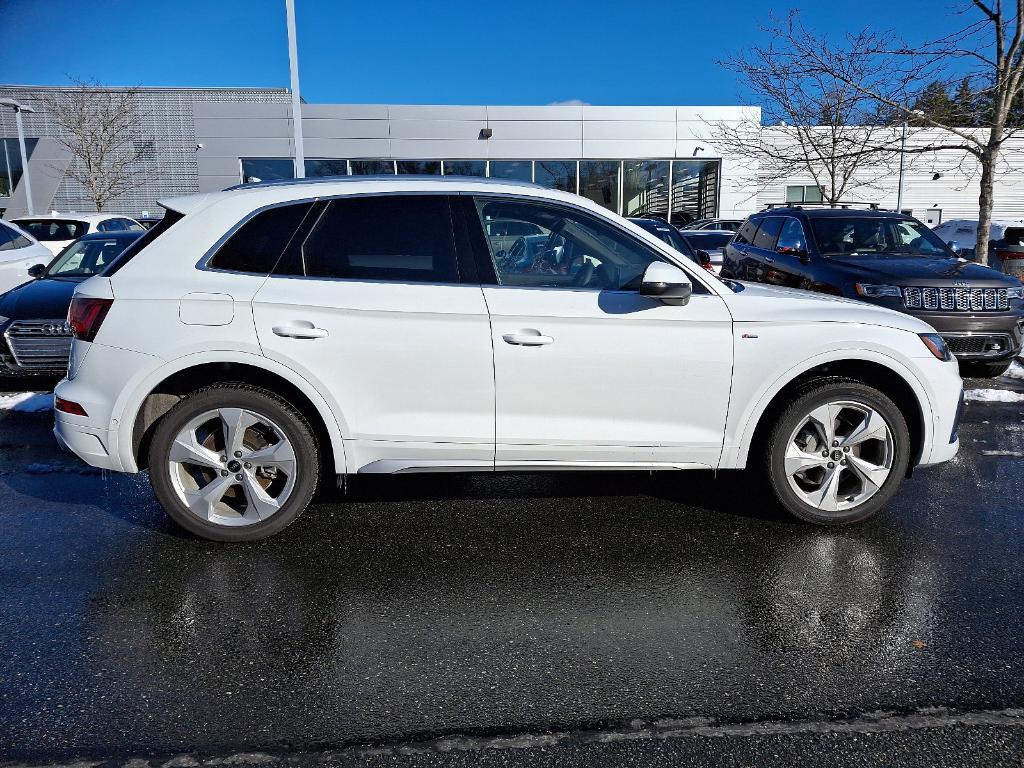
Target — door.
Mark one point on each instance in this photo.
(370, 306)
(587, 371)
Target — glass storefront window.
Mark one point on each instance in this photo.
(422, 167)
(372, 167)
(518, 170)
(10, 163)
(326, 167)
(694, 190)
(599, 181)
(556, 174)
(645, 188)
(256, 169)
(465, 167)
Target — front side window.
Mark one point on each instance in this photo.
(572, 250)
(767, 233)
(858, 236)
(792, 238)
(259, 243)
(132, 226)
(400, 238)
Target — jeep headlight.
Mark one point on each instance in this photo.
(1017, 292)
(870, 291)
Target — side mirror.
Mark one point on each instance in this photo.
(704, 259)
(667, 283)
(36, 271)
(954, 246)
(794, 250)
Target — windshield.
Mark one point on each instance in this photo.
(86, 257)
(53, 229)
(863, 236)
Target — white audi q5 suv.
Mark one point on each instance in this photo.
(263, 339)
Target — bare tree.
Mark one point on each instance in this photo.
(817, 125)
(100, 127)
(988, 46)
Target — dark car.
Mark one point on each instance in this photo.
(708, 241)
(667, 232)
(721, 224)
(35, 339)
(892, 260)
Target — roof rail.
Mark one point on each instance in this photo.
(838, 204)
(377, 177)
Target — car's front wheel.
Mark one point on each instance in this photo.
(232, 462)
(837, 453)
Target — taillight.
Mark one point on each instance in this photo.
(69, 406)
(85, 315)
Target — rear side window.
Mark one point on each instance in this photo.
(50, 230)
(11, 239)
(258, 244)
(745, 235)
(768, 233)
(401, 238)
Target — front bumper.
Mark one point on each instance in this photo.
(979, 336)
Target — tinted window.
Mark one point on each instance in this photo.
(53, 229)
(111, 225)
(573, 249)
(708, 241)
(746, 232)
(767, 233)
(403, 238)
(132, 226)
(791, 238)
(258, 243)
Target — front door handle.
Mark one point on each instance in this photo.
(527, 337)
(770, 259)
(299, 329)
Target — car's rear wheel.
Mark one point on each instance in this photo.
(837, 453)
(976, 370)
(232, 462)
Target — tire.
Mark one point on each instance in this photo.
(232, 499)
(975, 370)
(860, 413)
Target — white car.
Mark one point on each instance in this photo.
(266, 338)
(19, 252)
(56, 230)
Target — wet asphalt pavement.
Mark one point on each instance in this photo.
(566, 619)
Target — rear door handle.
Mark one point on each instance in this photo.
(528, 337)
(300, 329)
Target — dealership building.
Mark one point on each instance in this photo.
(635, 160)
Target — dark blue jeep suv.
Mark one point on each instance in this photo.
(888, 259)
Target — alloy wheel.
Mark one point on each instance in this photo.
(839, 455)
(232, 466)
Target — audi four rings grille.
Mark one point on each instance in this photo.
(40, 344)
(957, 299)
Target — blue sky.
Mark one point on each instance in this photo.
(440, 52)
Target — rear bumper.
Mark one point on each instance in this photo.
(96, 447)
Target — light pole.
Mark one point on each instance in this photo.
(18, 108)
(903, 149)
(293, 68)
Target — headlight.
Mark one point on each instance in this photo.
(937, 346)
(1015, 293)
(877, 291)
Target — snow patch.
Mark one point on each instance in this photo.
(27, 402)
(1018, 454)
(994, 396)
(1015, 371)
